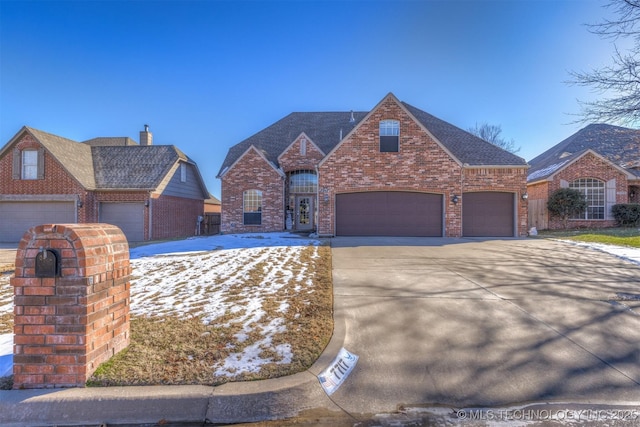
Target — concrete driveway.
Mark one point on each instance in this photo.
(485, 323)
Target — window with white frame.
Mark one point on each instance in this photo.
(594, 192)
(183, 172)
(252, 207)
(389, 136)
(29, 169)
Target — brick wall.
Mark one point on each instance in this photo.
(358, 165)
(66, 326)
(292, 159)
(252, 172)
(175, 216)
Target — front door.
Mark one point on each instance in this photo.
(304, 213)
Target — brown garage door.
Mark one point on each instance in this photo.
(18, 217)
(389, 213)
(487, 214)
(128, 216)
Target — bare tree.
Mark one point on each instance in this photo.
(618, 83)
(492, 134)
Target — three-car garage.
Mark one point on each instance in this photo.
(405, 213)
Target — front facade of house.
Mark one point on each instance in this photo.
(394, 171)
(149, 191)
(601, 161)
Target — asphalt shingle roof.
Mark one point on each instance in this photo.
(466, 147)
(74, 156)
(110, 140)
(112, 167)
(132, 167)
(325, 128)
(619, 145)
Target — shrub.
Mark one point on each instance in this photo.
(565, 203)
(626, 214)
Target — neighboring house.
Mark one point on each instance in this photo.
(395, 170)
(600, 160)
(149, 191)
(212, 205)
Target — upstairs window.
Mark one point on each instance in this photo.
(29, 164)
(389, 136)
(252, 207)
(183, 172)
(593, 190)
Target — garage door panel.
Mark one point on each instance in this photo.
(380, 213)
(488, 214)
(18, 217)
(129, 217)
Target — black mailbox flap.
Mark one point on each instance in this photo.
(47, 263)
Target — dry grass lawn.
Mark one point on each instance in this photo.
(171, 348)
(183, 350)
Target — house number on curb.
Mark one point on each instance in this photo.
(332, 377)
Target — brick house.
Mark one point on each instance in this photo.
(149, 191)
(600, 160)
(395, 170)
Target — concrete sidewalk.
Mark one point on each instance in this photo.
(439, 325)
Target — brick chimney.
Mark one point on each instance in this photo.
(146, 137)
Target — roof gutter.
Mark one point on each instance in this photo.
(468, 166)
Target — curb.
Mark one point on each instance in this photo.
(235, 402)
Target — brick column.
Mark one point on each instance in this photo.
(67, 325)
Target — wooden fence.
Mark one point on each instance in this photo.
(211, 224)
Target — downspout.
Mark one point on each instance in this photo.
(150, 215)
(317, 207)
(461, 198)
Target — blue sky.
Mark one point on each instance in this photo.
(207, 74)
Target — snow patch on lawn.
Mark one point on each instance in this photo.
(623, 252)
(209, 277)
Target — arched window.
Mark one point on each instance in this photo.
(252, 207)
(303, 181)
(594, 192)
(389, 136)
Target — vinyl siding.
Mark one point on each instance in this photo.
(190, 189)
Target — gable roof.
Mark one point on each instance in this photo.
(73, 156)
(618, 145)
(328, 129)
(112, 167)
(324, 129)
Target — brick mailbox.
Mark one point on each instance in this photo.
(71, 297)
